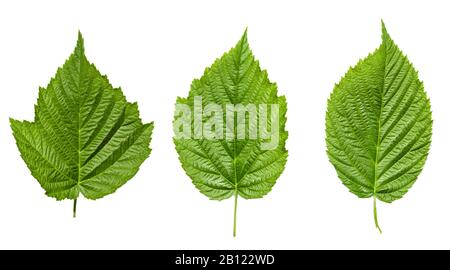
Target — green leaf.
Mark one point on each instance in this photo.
(378, 125)
(222, 167)
(85, 138)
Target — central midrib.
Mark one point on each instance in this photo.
(79, 128)
(377, 152)
(236, 84)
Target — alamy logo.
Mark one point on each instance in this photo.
(229, 122)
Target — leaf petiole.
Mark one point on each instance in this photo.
(375, 213)
(75, 208)
(235, 210)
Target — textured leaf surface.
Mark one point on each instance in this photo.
(378, 125)
(223, 168)
(85, 138)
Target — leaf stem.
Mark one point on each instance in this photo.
(375, 213)
(75, 208)
(235, 210)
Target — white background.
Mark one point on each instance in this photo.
(153, 50)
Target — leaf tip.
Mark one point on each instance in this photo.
(384, 34)
(80, 43)
(244, 36)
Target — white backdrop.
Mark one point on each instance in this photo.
(153, 50)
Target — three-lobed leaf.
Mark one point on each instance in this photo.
(85, 138)
(378, 125)
(222, 167)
